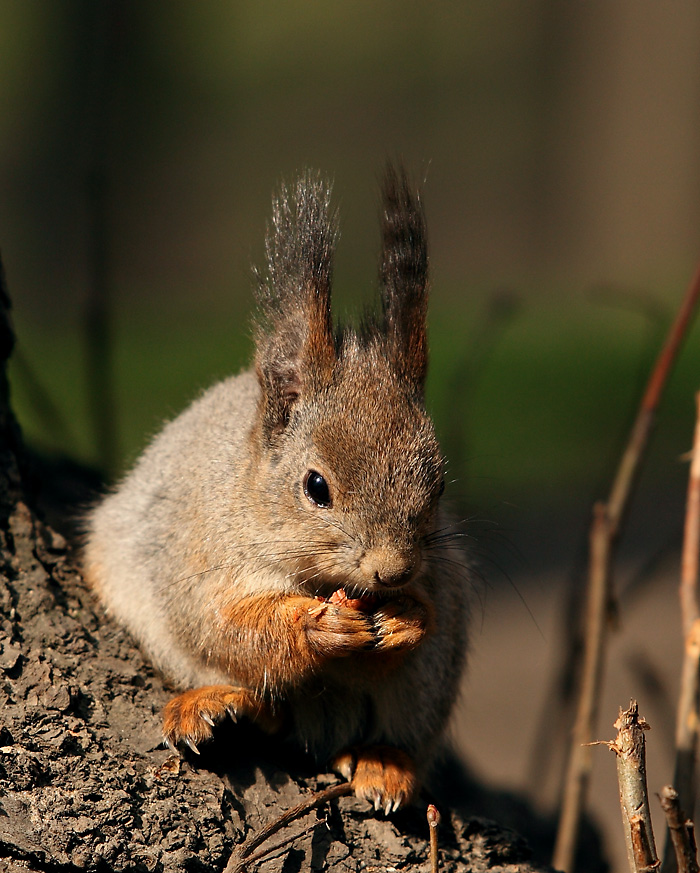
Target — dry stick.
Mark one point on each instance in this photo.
(634, 799)
(681, 832)
(433, 817)
(605, 529)
(242, 855)
(687, 724)
(690, 608)
(270, 850)
(688, 711)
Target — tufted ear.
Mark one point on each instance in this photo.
(295, 346)
(404, 278)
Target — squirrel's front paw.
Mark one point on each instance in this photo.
(190, 717)
(401, 623)
(335, 631)
(383, 776)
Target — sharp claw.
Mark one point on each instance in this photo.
(232, 714)
(192, 745)
(377, 801)
(207, 718)
(397, 803)
(345, 771)
(388, 806)
(169, 744)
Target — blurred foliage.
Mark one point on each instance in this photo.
(531, 404)
(139, 144)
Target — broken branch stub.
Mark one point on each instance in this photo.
(634, 799)
(681, 831)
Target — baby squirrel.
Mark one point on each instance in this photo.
(279, 550)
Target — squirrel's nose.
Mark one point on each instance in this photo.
(389, 567)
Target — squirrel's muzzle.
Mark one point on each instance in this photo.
(389, 567)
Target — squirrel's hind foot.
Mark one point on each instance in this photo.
(381, 775)
(190, 717)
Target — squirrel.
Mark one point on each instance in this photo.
(279, 550)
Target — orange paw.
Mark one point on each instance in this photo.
(381, 775)
(336, 630)
(401, 624)
(190, 717)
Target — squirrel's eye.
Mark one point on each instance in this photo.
(316, 489)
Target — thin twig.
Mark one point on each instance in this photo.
(686, 725)
(270, 850)
(681, 832)
(433, 817)
(241, 856)
(688, 711)
(632, 779)
(690, 607)
(596, 618)
(605, 530)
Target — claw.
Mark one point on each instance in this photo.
(232, 713)
(388, 807)
(345, 765)
(207, 718)
(377, 801)
(169, 743)
(192, 745)
(397, 803)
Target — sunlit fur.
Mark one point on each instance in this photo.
(214, 558)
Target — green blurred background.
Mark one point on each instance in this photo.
(558, 144)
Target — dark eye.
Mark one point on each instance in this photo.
(316, 489)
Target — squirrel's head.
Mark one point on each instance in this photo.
(352, 469)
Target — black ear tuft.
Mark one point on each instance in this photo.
(404, 277)
(294, 332)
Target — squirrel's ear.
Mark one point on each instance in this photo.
(404, 278)
(295, 344)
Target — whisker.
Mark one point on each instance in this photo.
(440, 539)
(465, 571)
(320, 570)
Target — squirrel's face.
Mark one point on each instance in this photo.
(348, 472)
(355, 480)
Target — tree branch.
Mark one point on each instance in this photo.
(688, 712)
(681, 832)
(634, 799)
(607, 521)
